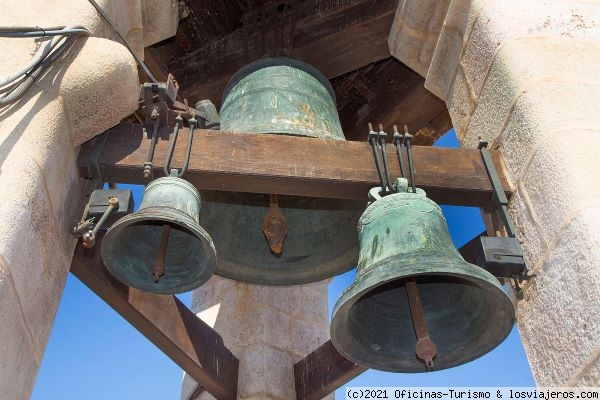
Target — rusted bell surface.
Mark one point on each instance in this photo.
(161, 248)
(404, 240)
(299, 239)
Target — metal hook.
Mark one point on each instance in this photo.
(169, 157)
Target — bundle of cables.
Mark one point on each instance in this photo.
(14, 86)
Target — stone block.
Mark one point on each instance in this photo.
(306, 337)
(444, 63)
(45, 137)
(259, 324)
(548, 113)
(315, 307)
(98, 87)
(559, 319)
(561, 180)
(459, 105)
(160, 19)
(590, 373)
(446, 57)
(30, 244)
(547, 93)
(18, 359)
(266, 373)
(500, 22)
(535, 248)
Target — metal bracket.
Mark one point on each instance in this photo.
(105, 207)
(501, 256)
(377, 141)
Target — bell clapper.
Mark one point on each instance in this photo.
(159, 264)
(426, 349)
(274, 226)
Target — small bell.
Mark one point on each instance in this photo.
(161, 248)
(415, 303)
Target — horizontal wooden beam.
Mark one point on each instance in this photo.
(166, 322)
(288, 165)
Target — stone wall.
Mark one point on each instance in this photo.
(267, 328)
(525, 75)
(81, 95)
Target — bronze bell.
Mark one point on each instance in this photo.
(161, 248)
(456, 312)
(281, 240)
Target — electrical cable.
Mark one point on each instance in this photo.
(15, 85)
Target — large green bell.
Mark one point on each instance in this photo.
(161, 248)
(404, 240)
(289, 97)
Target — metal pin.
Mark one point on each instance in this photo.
(426, 349)
(159, 264)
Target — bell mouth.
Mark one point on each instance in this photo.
(320, 242)
(130, 248)
(466, 311)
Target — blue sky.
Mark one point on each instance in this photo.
(95, 354)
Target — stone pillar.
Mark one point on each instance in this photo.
(525, 75)
(267, 328)
(84, 93)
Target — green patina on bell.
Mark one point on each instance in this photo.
(402, 237)
(281, 96)
(161, 248)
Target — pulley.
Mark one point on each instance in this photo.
(161, 248)
(415, 303)
(271, 239)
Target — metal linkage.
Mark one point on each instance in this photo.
(89, 238)
(502, 256)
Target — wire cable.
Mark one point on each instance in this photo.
(15, 85)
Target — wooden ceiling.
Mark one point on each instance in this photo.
(345, 39)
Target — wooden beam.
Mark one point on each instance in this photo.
(335, 38)
(167, 323)
(323, 371)
(282, 164)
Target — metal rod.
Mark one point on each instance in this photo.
(426, 349)
(373, 140)
(169, 156)
(388, 180)
(148, 163)
(407, 142)
(398, 143)
(159, 264)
